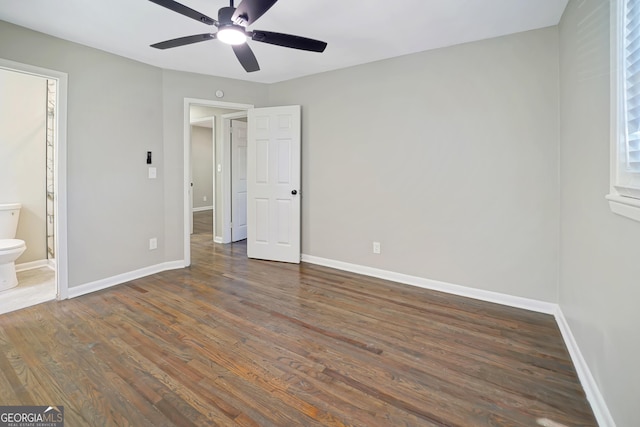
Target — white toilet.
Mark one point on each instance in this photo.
(10, 247)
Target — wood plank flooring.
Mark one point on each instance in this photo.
(232, 341)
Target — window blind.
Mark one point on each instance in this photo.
(632, 83)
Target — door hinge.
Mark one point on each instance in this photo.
(230, 225)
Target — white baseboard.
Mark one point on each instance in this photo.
(99, 285)
(597, 402)
(203, 208)
(32, 265)
(217, 239)
(480, 294)
(591, 389)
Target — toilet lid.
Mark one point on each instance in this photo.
(6, 244)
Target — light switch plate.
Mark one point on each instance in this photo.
(152, 173)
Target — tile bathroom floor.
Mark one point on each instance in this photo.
(34, 287)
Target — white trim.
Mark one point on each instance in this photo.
(236, 115)
(60, 184)
(224, 209)
(60, 167)
(598, 404)
(479, 294)
(217, 239)
(186, 221)
(186, 135)
(203, 208)
(621, 190)
(624, 206)
(207, 122)
(101, 284)
(32, 265)
(225, 183)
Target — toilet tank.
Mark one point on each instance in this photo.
(9, 214)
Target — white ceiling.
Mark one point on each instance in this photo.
(357, 32)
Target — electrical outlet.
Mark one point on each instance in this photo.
(153, 243)
(204, 198)
(376, 247)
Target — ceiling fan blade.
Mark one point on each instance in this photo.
(183, 41)
(246, 57)
(248, 11)
(186, 11)
(287, 40)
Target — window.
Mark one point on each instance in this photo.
(624, 197)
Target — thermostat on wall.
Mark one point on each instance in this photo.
(219, 93)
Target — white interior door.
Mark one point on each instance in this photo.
(273, 178)
(238, 180)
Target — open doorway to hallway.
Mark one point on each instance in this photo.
(208, 166)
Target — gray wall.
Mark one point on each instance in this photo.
(448, 158)
(114, 117)
(23, 157)
(119, 109)
(202, 166)
(600, 270)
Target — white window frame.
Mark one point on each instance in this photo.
(624, 193)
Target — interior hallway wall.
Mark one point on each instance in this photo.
(202, 166)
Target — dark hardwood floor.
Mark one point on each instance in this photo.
(232, 341)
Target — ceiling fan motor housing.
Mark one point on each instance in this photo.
(225, 14)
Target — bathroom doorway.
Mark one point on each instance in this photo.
(32, 151)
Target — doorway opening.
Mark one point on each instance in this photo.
(218, 115)
(203, 140)
(34, 175)
(235, 128)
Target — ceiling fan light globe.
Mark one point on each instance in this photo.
(231, 35)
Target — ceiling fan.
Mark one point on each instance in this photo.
(231, 24)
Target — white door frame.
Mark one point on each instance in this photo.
(60, 168)
(226, 182)
(186, 221)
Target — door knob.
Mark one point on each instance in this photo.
(294, 192)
